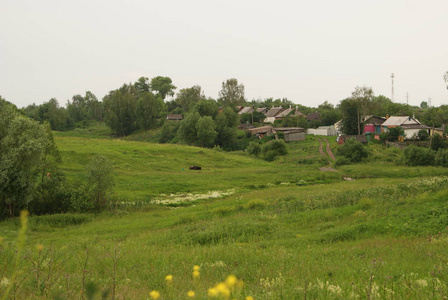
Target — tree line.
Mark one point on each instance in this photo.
(143, 106)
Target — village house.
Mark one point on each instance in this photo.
(323, 130)
(292, 133)
(410, 125)
(246, 110)
(372, 127)
(270, 115)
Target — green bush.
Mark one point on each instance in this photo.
(341, 161)
(416, 156)
(423, 135)
(352, 150)
(441, 158)
(254, 149)
(437, 142)
(270, 151)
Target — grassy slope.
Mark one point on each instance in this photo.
(366, 237)
(144, 170)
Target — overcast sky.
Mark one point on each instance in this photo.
(306, 51)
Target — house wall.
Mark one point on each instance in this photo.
(408, 133)
(269, 120)
(296, 136)
(324, 130)
(369, 128)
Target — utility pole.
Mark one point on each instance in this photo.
(429, 102)
(392, 76)
(407, 98)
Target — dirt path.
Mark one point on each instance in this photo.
(329, 152)
(321, 150)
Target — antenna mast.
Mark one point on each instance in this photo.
(392, 76)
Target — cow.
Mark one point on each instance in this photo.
(195, 168)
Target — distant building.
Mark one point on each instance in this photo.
(323, 130)
(410, 125)
(174, 117)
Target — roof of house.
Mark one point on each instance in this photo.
(313, 116)
(290, 129)
(375, 120)
(284, 113)
(246, 110)
(273, 111)
(263, 129)
(415, 126)
(400, 120)
(262, 109)
(174, 117)
(298, 113)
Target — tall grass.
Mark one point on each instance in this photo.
(387, 241)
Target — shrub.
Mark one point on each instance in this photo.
(341, 161)
(352, 150)
(437, 142)
(416, 156)
(423, 135)
(441, 158)
(275, 148)
(254, 149)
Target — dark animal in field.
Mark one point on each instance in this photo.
(195, 168)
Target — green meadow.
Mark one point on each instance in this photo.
(284, 229)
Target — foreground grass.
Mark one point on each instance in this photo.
(370, 238)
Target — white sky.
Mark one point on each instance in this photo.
(307, 51)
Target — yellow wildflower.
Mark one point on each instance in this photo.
(212, 292)
(249, 298)
(169, 278)
(154, 295)
(231, 281)
(223, 289)
(39, 247)
(190, 294)
(196, 274)
(196, 268)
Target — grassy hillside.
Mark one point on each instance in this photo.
(144, 170)
(288, 230)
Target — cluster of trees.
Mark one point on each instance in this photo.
(30, 177)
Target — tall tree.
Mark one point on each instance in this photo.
(22, 142)
(363, 97)
(188, 131)
(142, 85)
(231, 92)
(206, 131)
(121, 110)
(149, 109)
(57, 116)
(226, 123)
(187, 98)
(163, 86)
(207, 107)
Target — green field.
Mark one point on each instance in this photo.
(286, 229)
